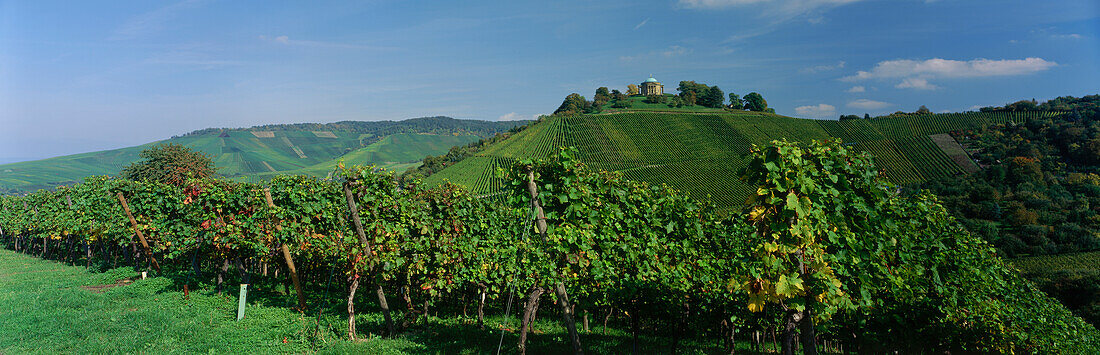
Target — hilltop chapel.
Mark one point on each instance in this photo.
(652, 87)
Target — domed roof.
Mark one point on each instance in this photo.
(650, 80)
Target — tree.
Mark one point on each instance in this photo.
(689, 98)
(866, 115)
(687, 86)
(676, 102)
(704, 95)
(1023, 105)
(632, 89)
(755, 102)
(735, 102)
(923, 110)
(848, 117)
(574, 104)
(655, 99)
(602, 96)
(171, 164)
(712, 97)
(618, 95)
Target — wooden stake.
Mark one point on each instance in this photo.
(559, 287)
(133, 222)
(286, 255)
(353, 208)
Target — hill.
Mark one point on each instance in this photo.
(702, 153)
(1071, 278)
(262, 151)
(638, 103)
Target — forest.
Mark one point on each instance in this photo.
(1038, 192)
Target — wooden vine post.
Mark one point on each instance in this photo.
(559, 286)
(286, 255)
(353, 208)
(141, 237)
(72, 258)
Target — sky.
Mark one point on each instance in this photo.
(91, 75)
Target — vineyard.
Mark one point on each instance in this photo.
(591, 244)
(1076, 262)
(702, 154)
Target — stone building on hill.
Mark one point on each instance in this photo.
(652, 87)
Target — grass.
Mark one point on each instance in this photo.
(50, 307)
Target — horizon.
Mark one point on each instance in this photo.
(86, 77)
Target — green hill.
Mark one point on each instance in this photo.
(263, 151)
(637, 103)
(702, 153)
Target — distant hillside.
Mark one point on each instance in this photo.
(434, 125)
(702, 153)
(259, 152)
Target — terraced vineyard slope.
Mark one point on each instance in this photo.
(262, 152)
(702, 153)
(1075, 262)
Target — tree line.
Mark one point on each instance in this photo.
(690, 94)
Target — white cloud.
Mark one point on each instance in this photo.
(715, 4)
(286, 40)
(916, 73)
(675, 51)
(816, 111)
(512, 116)
(916, 83)
(1054, 33)
(150, 22)
(1067, 36)
(946, 68)
(821, 68)
(724, 4)
(857, 88)
(641, 24)
(775, 10)
(869, 104)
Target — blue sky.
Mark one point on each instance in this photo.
(84, 76)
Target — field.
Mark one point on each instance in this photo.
(1077, 262)
(397, 152)
(51, 308)
(260, 153)
(702, 154)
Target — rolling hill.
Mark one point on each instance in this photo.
(263, 151)
(702, 153)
